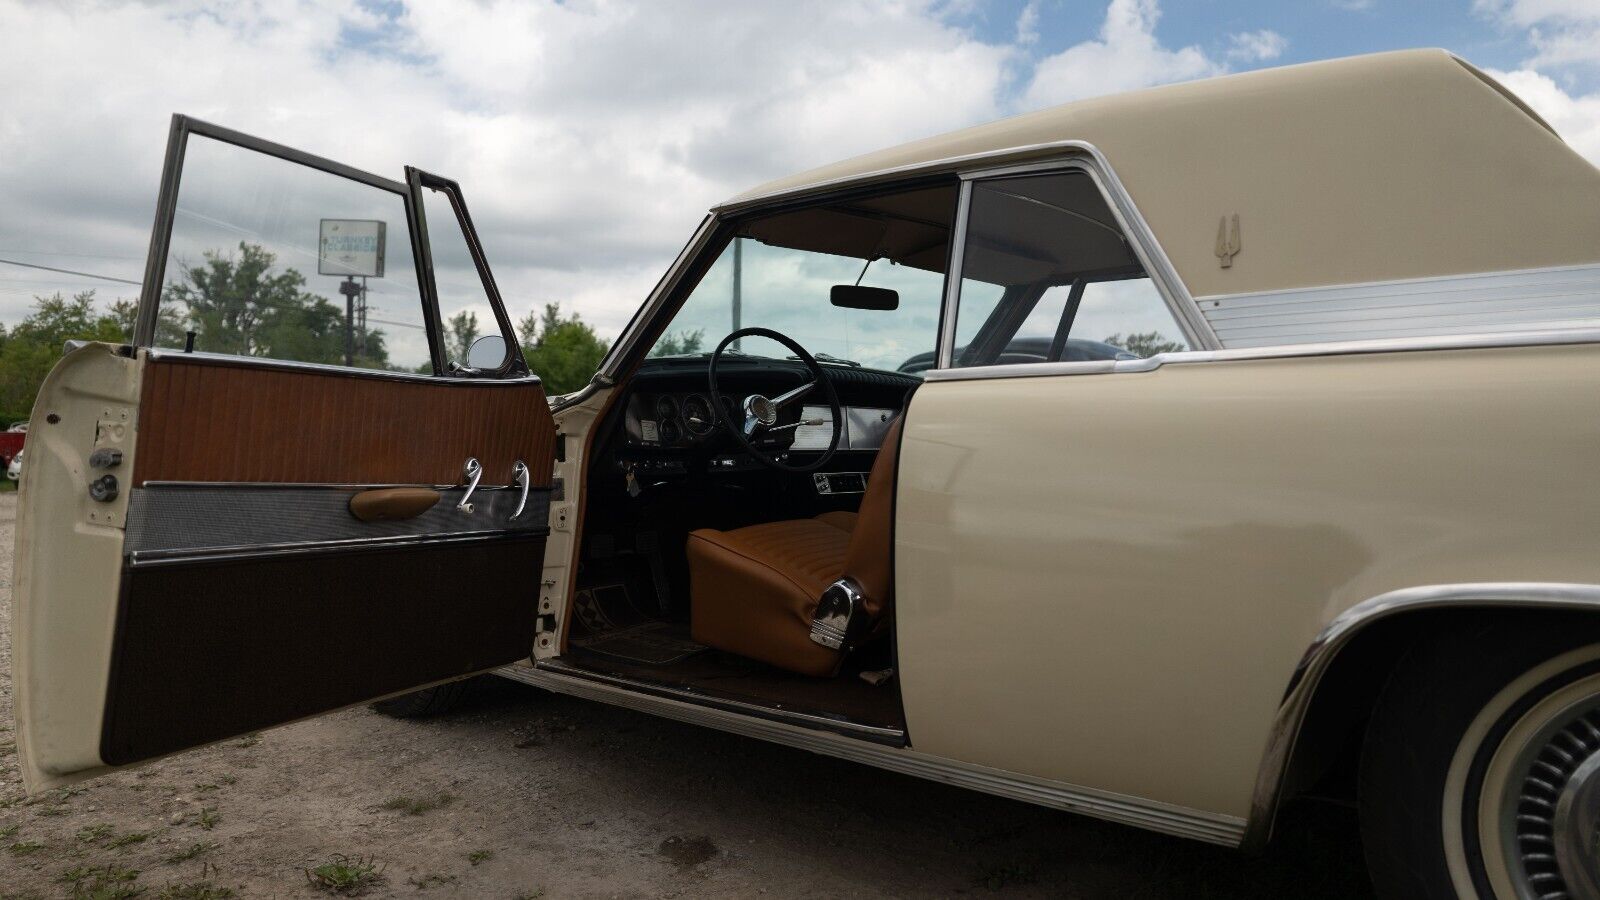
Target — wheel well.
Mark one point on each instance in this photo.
(1327, 753)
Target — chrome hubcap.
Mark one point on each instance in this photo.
(1555, 823)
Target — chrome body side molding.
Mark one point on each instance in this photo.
(1287, 351)
(1190, 823)
(1338, 633)
(1562, 297)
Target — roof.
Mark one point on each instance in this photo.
(1401, 165)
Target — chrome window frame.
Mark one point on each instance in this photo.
(1146, 249)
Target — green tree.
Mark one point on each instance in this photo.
(679, 343)
(1146, 343)
(237, 304)
(30, 349)
(564, 351)
(459, 332)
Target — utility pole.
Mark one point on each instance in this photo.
(350, 289)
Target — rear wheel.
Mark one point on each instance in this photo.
(1480, 777)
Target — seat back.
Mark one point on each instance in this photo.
(870, 560)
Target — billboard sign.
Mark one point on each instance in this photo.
(351, 247)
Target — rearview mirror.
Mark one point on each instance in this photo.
(855, 296)
(487, 353)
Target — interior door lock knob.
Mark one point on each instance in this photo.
(103, 489)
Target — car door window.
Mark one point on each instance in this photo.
(1048, 276)
(465, 310)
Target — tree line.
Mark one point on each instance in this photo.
(241, 303)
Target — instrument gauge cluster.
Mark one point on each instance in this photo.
(676, 420)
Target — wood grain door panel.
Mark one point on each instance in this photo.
(201, 419)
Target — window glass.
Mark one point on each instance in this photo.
(1047, 276)
(779, 273)
(274, 259)
(465, 313)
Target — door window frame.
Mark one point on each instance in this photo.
(1185, 313)
(514, 368)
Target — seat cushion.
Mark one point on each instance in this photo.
(754, 590)
(842, 519)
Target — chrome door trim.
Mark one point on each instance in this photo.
(146, 559)
(155, 354)
(945, 355)
(1199, 825)
(1286, 351)
(1337, 634)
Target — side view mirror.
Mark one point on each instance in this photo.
(487, 353)
(855, 296)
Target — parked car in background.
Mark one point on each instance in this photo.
(12, 440)
(14, 468)
(1251, 458)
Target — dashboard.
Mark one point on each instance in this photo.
(670, 406)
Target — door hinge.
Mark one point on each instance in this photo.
(561, 448)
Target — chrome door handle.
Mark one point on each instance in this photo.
(473, 473)
(519, 477)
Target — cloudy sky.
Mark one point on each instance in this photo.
(591, 135)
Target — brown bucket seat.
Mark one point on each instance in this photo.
(754, 590)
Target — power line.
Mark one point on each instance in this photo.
(27, 265)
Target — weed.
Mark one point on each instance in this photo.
(9, 830)
(129, 839)
(250, 740)
(51, 811)
(23, 848)
(417, 807)
(227, 779)
(195, 890)
(427, 881)
(193, 851)
(102, 882)
(208, 818)
(478, 856)
(534, 894)
(203, 788)
(90, 834)
(7, 748)
(345, 874)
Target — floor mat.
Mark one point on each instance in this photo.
(653, 644)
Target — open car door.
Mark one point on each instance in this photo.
(303, 486)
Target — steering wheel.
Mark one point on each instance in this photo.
(761, 414)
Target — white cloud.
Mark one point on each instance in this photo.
(1127, 55)
(1256, 46)
(1562, 32)
(1575, 118)
(1354, 5)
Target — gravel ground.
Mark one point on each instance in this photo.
(527, 794)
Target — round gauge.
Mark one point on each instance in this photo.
(698, 416)
(669, 431)
(666, 408)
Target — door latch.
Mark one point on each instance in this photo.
(473, 473)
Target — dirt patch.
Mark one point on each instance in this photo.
(556, 797)
(686, 852)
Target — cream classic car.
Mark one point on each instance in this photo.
(1159, 457)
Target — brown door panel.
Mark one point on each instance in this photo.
(203, 419)
(209, 650)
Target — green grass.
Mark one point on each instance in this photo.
(23, 848)
(416, 807)
(9, 830)
(90, 834)
(208, 818)
(347, 875)
(478, 856)
(101, 882)
(129, 839)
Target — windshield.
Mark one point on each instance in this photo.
(778, 274)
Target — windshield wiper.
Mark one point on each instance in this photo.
(829, 357)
